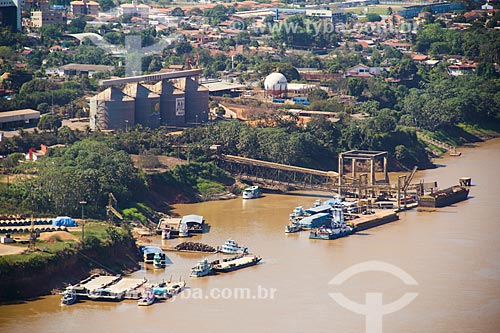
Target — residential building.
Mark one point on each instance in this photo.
(39, 18)
(84, 7)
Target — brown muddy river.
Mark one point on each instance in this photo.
(453, 255)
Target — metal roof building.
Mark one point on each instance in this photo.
(19, 118)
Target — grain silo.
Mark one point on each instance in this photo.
(196, 100)
(172, 104)
(111, 109)
(147, 105)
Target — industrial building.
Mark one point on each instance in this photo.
(176, 99)
(275, 85)
(10, 120)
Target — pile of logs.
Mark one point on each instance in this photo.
(192, 246)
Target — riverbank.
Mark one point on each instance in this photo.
(56, 263)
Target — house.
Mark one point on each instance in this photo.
(418, 58)
(397, 45)
(461, 69)
(363, 71)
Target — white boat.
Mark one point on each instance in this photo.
(159, 261)
(251, 192)
(69, 297)
(292, 227)
(202, 268)
(231, 247)
(173, 288)
(147, 298)
(165, 233)
(183, 230)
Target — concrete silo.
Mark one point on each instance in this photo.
(172, 103)
(111, 109)
(147, 105)
(196, 100)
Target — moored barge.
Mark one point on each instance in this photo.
(444, 197)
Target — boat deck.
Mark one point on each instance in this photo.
(236, 262)
(369, 221)
(98, 282)
(126, 284)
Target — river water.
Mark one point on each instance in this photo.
(452, 253)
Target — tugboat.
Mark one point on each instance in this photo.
(231, 247)
(159, 261)
(69, 297)
(235, 263)
(148, 297)
(331, 233)
(251, 192)
(203, 268)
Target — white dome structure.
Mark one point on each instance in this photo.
(275, 84)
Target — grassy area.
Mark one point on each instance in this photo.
(93, 228)
(481, 130)
(44, 252)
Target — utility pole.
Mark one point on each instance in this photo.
(83, 203)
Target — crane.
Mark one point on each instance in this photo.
(111, 210)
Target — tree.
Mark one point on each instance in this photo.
(195, 11)
(50, 122)
(177, 11)
(183, 47)
(77, 25)
(355, 86)
(372, 17)
(317, 95)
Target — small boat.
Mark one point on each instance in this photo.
(231, 247)
(159, 261)
(173, 288)
(69, 297)
(454, 152)
(251, 192)
(149, 252)
(105, 294)
(147, 297)
(235, 263)
(293, 227)
(331, 233)
(202, 268)
(183, 230)
(166, 233)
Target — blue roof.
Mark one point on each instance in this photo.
(64, 221)
(151, 249)
(319, 209)
(312, 218)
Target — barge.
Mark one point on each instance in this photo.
(235, 263)
(444, 197)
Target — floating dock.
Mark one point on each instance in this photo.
(364, 222)
(127, 286)
(94, 282)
